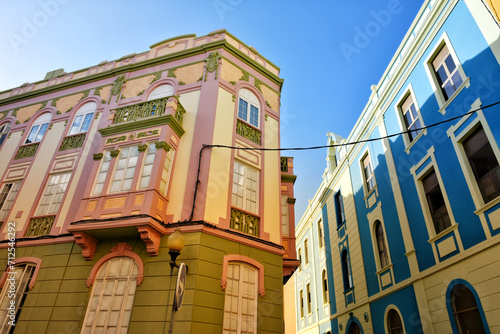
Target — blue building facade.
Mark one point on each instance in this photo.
(412, 212)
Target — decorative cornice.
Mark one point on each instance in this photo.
(288, 178)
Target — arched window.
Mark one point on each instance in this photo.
(381, 246)
(161, 91)
(4, 131)
(83, 118)
(38, 129)
(346, 271)
(465, 310)
(248, 107)
(394, 323)
(324, 279)
(112, 297)
(354, 328)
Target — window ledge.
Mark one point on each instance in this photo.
(410, 145)
(487, 206)
(443, 233)
(465, 84)
(389, 266)
(368, 194)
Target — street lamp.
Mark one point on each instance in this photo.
(175, 243)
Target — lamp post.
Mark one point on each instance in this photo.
(175, 244)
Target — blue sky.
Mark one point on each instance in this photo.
(329, 52)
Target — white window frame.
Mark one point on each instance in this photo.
(166, 173)
(285, 221)
(418, 175)
(458, 138)
(309, 299)
(102, 173)
(95, 305)
(147, 166)
(324, 278)
(409, 94)
(42, 122)
(84, 113)
(442, 102)
(321, 234)
(7, 197)
(251, 99)
(306, 251)
(243, 292)
(246, 187)
(53, 194)
(4, 132)
(121, 176)
(366, 179)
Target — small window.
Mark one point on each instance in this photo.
(23, 275)
(339, 207)
(320, 234)
(166, 171)
(446, 72)
(53, 194)
(285, 227)
(245, 187)
(306, 251)
(38, 129)
(411, 118)
(147, 168)
(300, 258)
(4, 131)
(368, 173)
(465, 310)
(324, 279)
(436, 203)
(394, 323)
(309, 302)
(483, 163)
(7, 195)
(346, 271)
(381, 245)
(301, 303)
(83, 118)
(248, 107)
(125, 169)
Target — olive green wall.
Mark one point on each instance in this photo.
(58, 301)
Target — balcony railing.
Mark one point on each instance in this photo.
(248, 132)
(284, 164)
(27, 151)
(40, 226)
(244, 222)
(147, 109)
(71, 142)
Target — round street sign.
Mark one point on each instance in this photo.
(179, 287)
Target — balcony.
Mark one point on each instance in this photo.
(244, 222)
(248, 132)
(27, 151)
(72, 142)
(40, 226)
(143, 115)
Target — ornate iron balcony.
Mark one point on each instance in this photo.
(27, 151)
(248, 132)
(40, 226)
(71, 142)
(146, 109)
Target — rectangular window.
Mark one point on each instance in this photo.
(306, 252)
(309, 306)
(103, 172)
(285, 228)
(53, 194)
(245, 188)
(446, 72)
(240, 305)
(7, 196)
(300, 259)
(368, 173)
(23, 275)
(320, 234)
(436, 203)
(411, 118)
(483, 163)
(339, 207)
(125, 169)
(147, 168)
(167, 169)
(301, 303)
